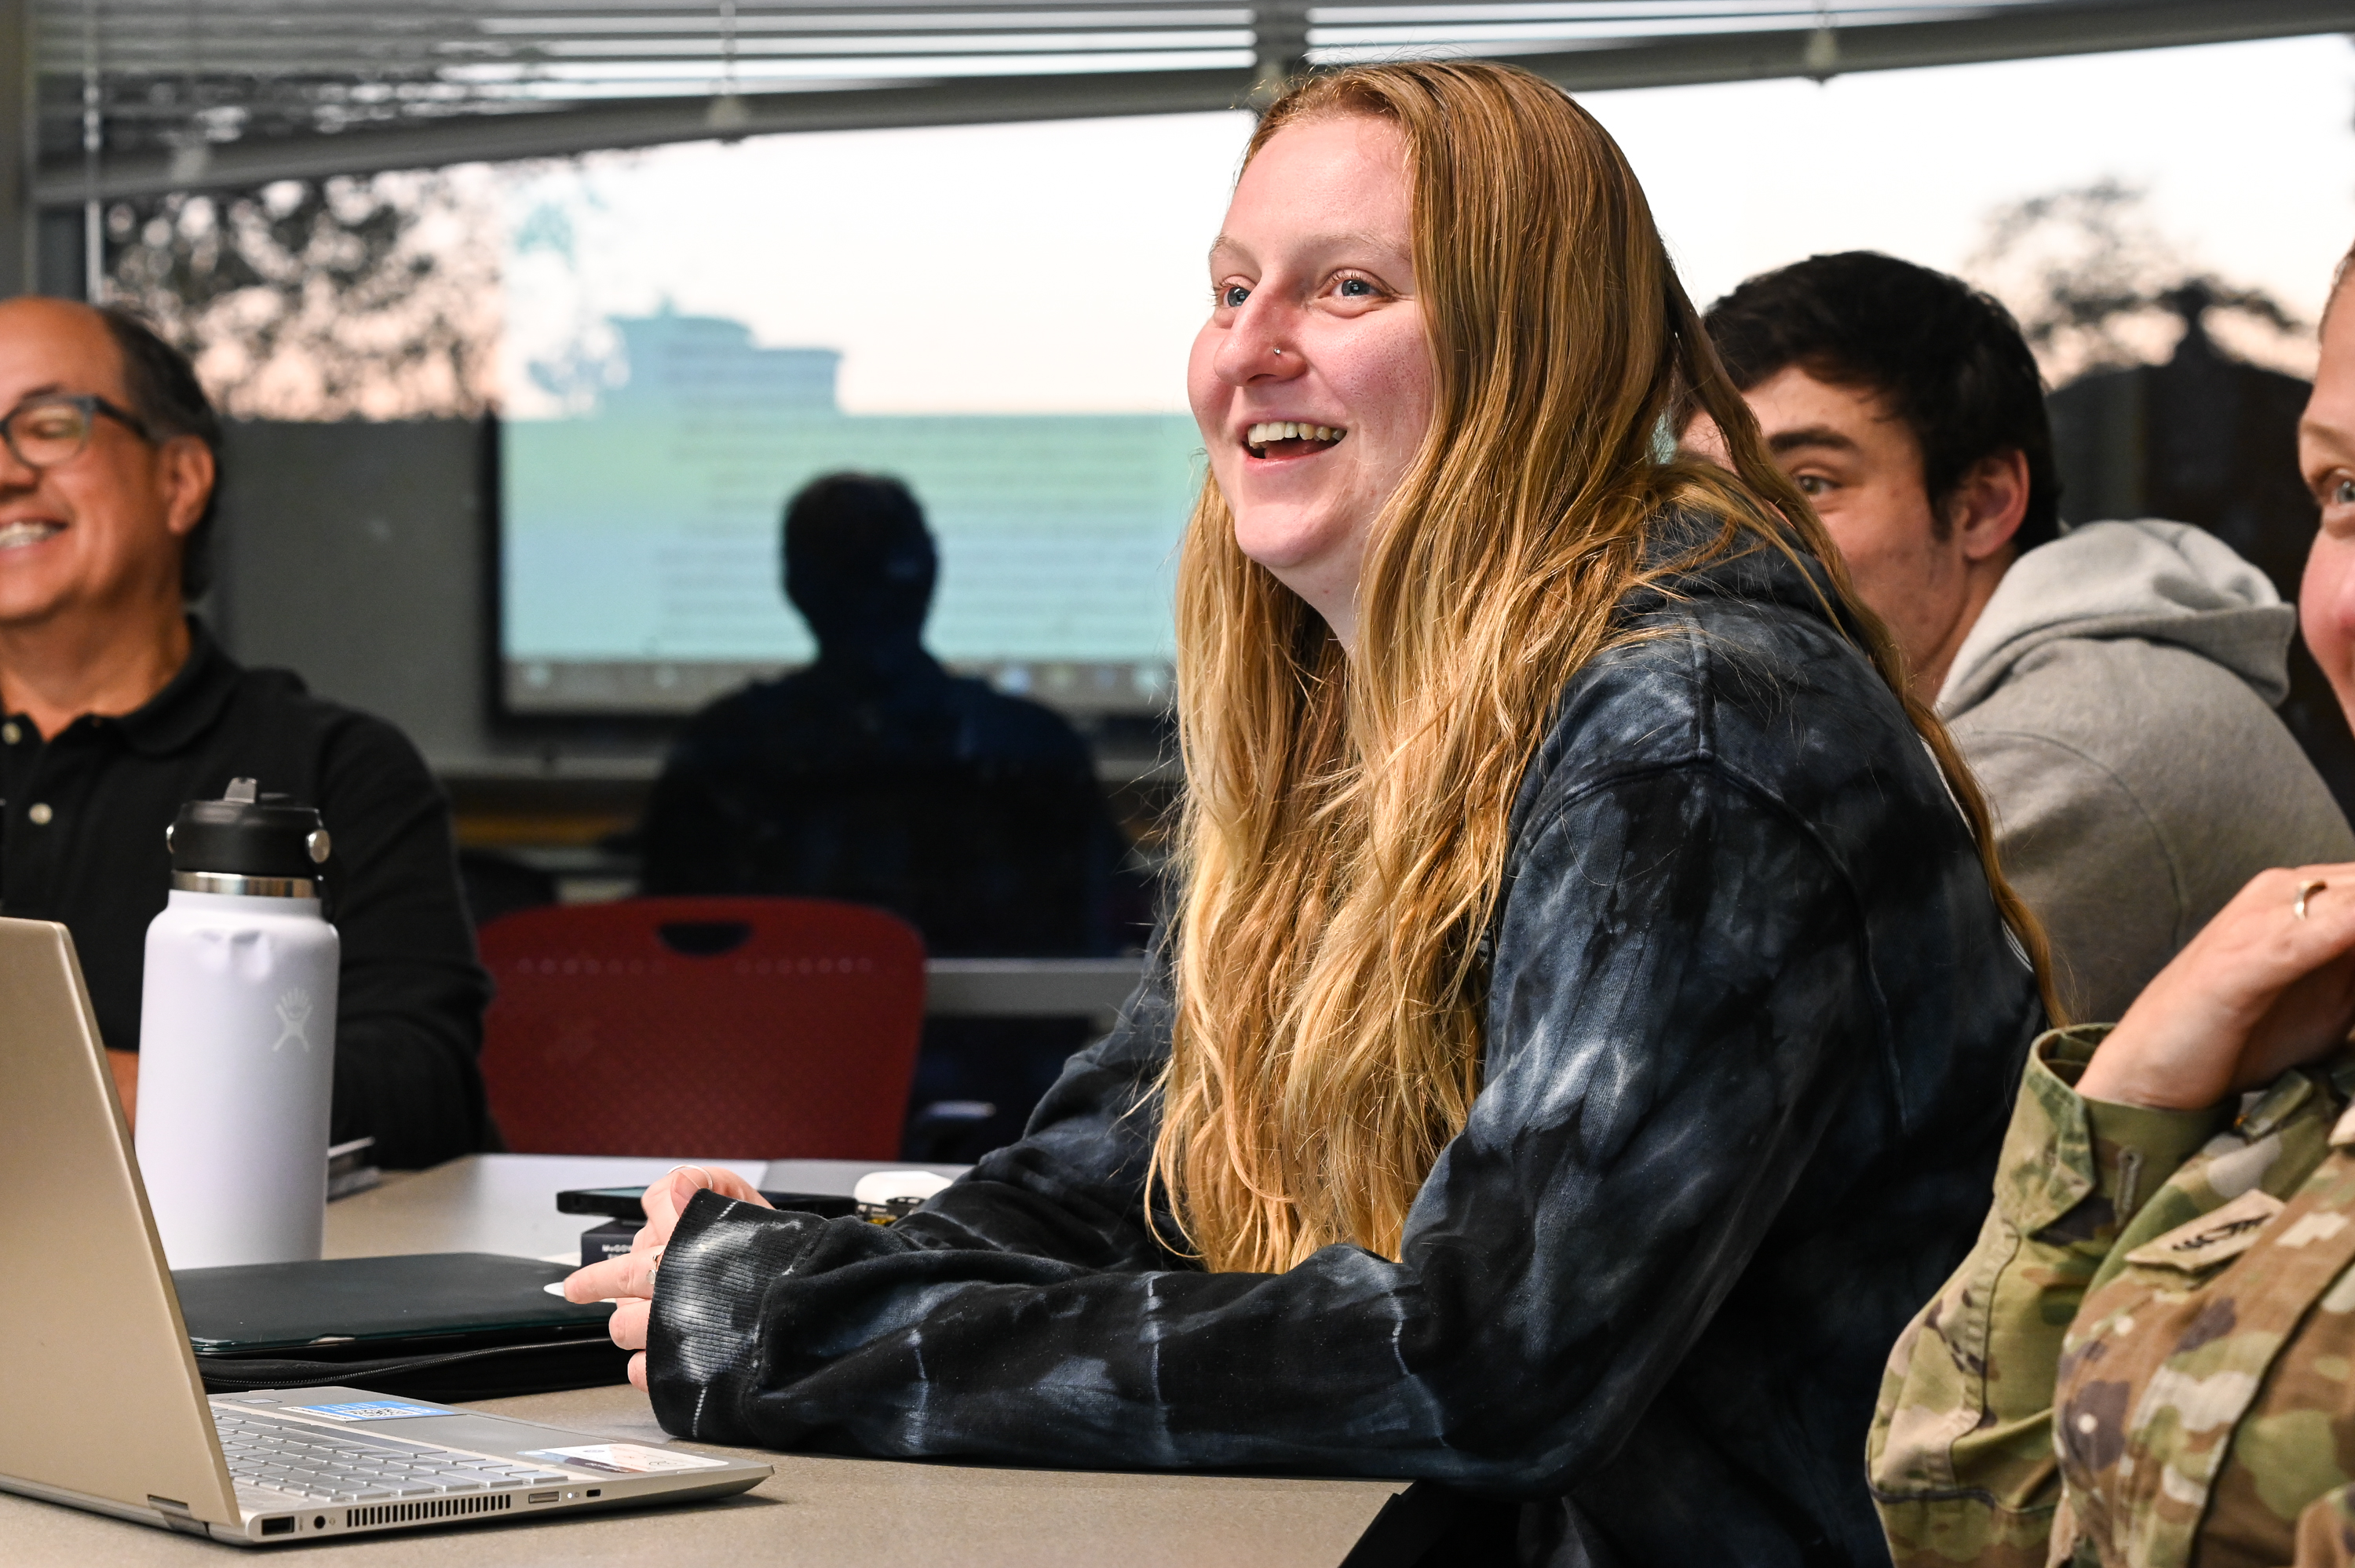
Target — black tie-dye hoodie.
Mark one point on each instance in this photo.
(1752, 1031)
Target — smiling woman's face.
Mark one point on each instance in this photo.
(1311, 381)
(2326, 452)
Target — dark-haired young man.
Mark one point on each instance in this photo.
(116, 705)
(2112, 687)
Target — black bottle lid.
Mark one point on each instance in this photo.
(244, 835)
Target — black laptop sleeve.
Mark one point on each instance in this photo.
(439, 1326)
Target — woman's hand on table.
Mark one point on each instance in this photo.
(629, 1280)
(2266, 985)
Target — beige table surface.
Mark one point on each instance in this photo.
(841, 1513)
(507, 1203)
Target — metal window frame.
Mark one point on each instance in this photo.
(2018, 31)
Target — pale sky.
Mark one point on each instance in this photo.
(1059, 266)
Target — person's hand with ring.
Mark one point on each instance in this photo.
(629, 1280)
(2266, 985)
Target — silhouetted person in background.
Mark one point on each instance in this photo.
(874, 775)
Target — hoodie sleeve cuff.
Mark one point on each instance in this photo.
(704, 1335)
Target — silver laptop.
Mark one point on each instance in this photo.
(103, 1407)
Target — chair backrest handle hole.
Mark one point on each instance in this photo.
(704, 938)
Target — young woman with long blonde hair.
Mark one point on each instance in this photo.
(1587, 1022)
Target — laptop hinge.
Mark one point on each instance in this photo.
(177, 1516)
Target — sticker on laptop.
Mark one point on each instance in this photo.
(624, 1459)
(370, 1410)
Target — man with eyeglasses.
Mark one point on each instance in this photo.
(116, 705)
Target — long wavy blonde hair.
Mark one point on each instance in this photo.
(1344, 829)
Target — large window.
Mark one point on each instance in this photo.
(1000, 315)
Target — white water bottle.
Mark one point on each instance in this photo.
(237, 1036)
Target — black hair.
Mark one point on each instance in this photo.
(857, 558)
(1946, 359)
(170, 401)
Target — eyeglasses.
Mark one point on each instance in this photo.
(43, 432)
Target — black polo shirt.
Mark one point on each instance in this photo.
(81, 841)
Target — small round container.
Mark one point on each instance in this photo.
(883, 1197)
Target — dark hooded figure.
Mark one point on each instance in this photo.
(874, 775)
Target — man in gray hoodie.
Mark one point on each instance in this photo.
(2113, 686)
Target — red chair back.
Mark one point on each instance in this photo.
(773, 1028)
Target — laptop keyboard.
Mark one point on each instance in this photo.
(331, 1468)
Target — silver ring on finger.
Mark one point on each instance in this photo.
(2305, 891)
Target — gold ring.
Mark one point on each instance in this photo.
(2304, 890)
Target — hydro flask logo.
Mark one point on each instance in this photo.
(294, 1019)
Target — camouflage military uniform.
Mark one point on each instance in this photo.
(2145, 1360)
